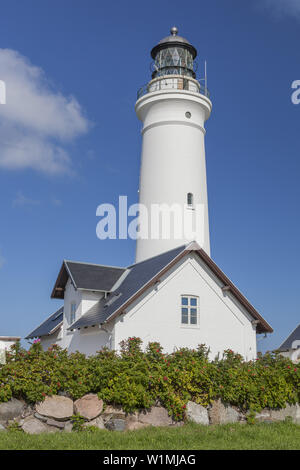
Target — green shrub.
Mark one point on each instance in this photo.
(14, 426)
(135, 379)
(77, 422)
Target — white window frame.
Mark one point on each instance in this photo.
(189, 307)
(73, 319)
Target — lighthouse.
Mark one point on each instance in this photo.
(174, 294)
(173, 108)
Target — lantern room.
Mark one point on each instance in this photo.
(173, 55)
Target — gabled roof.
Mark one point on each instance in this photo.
(138, 276)
(145, 274)
(288, 343)
(49, 326)
(88, 276)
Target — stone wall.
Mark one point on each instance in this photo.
(55, 413)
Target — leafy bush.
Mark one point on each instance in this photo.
(77, 422)
(135, 379)
(14, 426)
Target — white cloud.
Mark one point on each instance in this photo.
(36, 123)
(22, 200)
(283, 7)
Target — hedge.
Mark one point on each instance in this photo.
(135, 379)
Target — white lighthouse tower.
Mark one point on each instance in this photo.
(173, 108)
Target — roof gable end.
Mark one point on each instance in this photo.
(87, 276)
(146, 273)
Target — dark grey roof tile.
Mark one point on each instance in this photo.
(94, 276)
(288, 343)
(48, 325)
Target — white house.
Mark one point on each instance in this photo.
(174, 293)
(291, 346)
(179, 298)
(5, 344)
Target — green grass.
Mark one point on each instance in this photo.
(282, 435)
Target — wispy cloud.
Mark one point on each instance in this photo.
(21, 201)
(37, 122)
(280, 8)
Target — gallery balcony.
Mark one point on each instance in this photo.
(175, 82)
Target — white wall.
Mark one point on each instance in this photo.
(293, 354)
(224, 324)
(156, 316)
(173, 162)
(86, 340)
(6, 344)
(55, 338)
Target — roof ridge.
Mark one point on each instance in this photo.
(94, 264)
(160, 254)
(158, 273)
(127, 272)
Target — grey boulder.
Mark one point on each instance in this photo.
(220, 413)
(56, 407)
(116, 424)
(156, 416)
(89, 406)
(11, 409)
(97, 422)
(32, 425)
(197, 413)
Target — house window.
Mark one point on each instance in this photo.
(189, 310)
(73, 313)
(190, 199)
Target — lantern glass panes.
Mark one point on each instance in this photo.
(174, 60)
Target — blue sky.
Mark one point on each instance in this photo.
(72, 141)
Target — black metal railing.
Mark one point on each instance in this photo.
(174, 83)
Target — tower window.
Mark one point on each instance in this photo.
(189, 310)
(190, 199)
(188, 115)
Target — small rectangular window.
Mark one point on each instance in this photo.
(73, 313)
(189, 310)
(190, 199)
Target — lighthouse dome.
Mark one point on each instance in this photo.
(172, 41)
